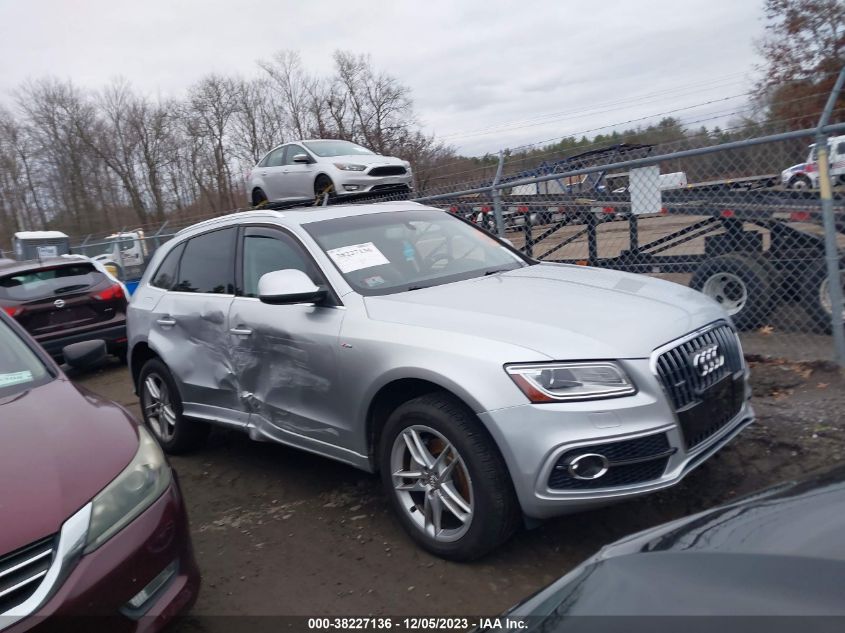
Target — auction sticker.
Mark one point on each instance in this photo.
(15, 378)
(357, 256)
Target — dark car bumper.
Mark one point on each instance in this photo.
(96, 594)
(114, 336)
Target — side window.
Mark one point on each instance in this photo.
(208, 263)
(293, 150)
(165, 276)
(275, 158)
(265, 251)
(840, 149)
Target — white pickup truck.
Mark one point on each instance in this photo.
(806, 175)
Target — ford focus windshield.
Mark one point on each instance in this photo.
(20, 368)
(383, 253)
(336, 148)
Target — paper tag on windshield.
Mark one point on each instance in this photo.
(7, 380)
(357, 256)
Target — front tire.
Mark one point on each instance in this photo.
(161, 407)
(324, 185)
(800, 183)
(445, 478)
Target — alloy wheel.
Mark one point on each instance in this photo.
(432, 483)
(157, 407)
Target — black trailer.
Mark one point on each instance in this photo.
(760, 248)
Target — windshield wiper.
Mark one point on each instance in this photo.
(409, 288)
(496, 272)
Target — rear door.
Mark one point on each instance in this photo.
(58, 300)
(188, 326)
(272, 174)
(285, 356)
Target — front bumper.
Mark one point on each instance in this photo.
(357, 182)
(95, 593)
(532, 438)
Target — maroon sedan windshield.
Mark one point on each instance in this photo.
(20, 367)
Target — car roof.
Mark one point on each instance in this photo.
(306, 214)
(11, 266)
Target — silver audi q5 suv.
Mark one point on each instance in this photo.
(482, 385)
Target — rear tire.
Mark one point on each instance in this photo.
(259, 198)
(161, 407)
(469, 483)
(816, 298)
(744, 285)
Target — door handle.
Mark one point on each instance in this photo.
(241, 331)
(166, 321)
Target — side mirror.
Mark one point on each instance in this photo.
(301, 158)
(289, 286)
(85, 354)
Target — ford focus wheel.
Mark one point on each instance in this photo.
(446, 479)
(161, 407)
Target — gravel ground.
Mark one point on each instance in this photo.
(282, 532)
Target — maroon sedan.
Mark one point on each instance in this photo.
(93, 522)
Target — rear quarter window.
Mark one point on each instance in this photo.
(44, 283)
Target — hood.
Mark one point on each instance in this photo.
(365, 159)
(794, 168)
(56, 458)
(778, 552)
(712, 583)
(561, 311)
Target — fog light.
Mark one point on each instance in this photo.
(140, 599)
(352, 187)
(588, 466)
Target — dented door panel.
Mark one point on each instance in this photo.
(284, 358)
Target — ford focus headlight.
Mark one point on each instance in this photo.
(350, 167)
(555, 382)
(142, 482)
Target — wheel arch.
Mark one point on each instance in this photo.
(141, 353)
(398, 390)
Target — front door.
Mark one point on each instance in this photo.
(285, 355)
(299, 177)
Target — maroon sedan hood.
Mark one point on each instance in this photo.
(59, 446)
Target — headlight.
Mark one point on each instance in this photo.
(553, 382)
(130, 493)
(350, 167)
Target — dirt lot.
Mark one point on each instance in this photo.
(278, 531)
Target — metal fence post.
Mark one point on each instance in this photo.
(497, 197)
(831, 251)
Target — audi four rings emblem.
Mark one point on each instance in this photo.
(707, 360)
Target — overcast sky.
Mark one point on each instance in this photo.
(484, 74)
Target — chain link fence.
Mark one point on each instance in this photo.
(757, 224)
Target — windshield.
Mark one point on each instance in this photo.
(336, 148)
(20, 368)
(384, 253)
